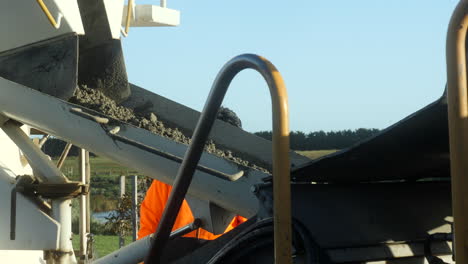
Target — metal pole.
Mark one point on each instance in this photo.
(281, 165)
(83, 215)
(134, 206)
(163, 3)
(129, 16)
(43, 140)
(88, 196)
(49, 16)
(64, 155)
(135, 252)
(458, 126)
(122, 193)
(61, 212)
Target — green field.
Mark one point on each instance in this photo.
(105, 180)
(105, 188)
(103, 245)
(314, 154)
(100, 166)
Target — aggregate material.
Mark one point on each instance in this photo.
(97, 101)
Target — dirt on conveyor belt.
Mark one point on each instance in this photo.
(97, 101)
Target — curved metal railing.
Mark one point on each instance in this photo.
(457, 93)
(47, 13)
(281, 164)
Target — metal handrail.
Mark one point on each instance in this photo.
(129, 16)
(46, 11)
(458, 125)
(281, 165)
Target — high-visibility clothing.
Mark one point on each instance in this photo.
(152, 208)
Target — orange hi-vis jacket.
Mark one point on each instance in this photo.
(152, 208)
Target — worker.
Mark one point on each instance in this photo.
(153, 205)
(152, 208)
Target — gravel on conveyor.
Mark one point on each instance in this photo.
(97, 101)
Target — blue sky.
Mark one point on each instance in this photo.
(346, 64)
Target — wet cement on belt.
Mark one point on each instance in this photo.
(97, 101)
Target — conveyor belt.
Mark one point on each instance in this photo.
(414, 148)
(150, 154)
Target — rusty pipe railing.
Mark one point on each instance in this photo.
(458, 126)
(281, 165)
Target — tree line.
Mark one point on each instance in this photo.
(54, 148)
(318, 140)
(321, 140)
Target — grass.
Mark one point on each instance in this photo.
(315, 154)
(105, 180)
(99, 166)
(104, 175)
(103, 245)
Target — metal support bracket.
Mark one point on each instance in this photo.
(44, 206)
(29, 186)
(55, 190)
